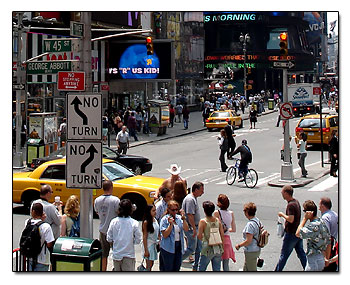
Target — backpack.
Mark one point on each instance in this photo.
(250, 156)
(75, 230)
(263, 237)
(30, 242)
(214, 234)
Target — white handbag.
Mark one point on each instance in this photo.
(280, 227)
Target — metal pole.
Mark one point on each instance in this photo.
(18, 157)
(86, 205)
(321, 130)
(245, 71)
(287, 167)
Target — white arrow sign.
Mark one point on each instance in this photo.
(283, 64)
(84, 116)
(84, 165)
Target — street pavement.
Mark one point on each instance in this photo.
(196, 125)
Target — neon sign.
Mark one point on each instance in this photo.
(232, 17)
(252, 57)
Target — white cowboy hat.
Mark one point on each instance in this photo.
(174, 169)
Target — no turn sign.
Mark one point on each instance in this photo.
(84, 116)
(84, 165)
(286, 111)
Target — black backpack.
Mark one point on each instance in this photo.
(30, 242)
(250, 156)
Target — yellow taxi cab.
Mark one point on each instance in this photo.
(311, 126)
(219, 119)
(139, 189)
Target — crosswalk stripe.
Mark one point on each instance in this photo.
(324, 185)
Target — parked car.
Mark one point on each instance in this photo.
(139, 189)
(138, 164)
(311, 126)
(219, 119)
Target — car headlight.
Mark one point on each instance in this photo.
(152, 194)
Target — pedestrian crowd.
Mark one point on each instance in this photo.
(172, 230)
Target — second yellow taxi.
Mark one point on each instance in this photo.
(219, 119)
(310, 125)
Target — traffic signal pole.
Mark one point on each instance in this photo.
(18, 155)
(287, 174)
(86, 198)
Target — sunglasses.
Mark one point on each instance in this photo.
(174, 209)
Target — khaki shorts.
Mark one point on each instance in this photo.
(126, 264)
(106, 246)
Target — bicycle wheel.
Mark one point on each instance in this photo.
(231, 174)
(251, 179)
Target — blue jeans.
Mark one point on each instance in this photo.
(38, 267)
(315, 262)
(194, 245)
(185, 123)
(215, 262)
(170, 261)
(290, 242)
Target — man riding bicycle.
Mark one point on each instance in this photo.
(246, 158)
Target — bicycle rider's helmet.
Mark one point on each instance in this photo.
(244, 142)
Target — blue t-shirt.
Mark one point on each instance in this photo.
(252, 228)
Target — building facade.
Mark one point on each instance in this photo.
(226, 63)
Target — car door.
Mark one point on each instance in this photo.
(55, 176)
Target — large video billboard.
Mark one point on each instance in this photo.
(131, 61)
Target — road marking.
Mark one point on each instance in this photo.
(324, 185)
(272, 176)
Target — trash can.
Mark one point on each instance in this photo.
(271, 104)
(77, 254)
(35, 149)
(158, 116)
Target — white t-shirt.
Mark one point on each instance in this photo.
(106, 206)
(177, 232)
(122, 137)
(52, 216)
(46, 236)
(124, 233)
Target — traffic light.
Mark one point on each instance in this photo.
(149, 45)
(283, 44)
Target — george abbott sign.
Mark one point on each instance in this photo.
(48, 67)
(71, 81)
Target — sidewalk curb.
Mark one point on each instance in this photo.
(298, 182)
(189, 132)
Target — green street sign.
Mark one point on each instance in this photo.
(57, 45)
(48, 67)
(76, 29)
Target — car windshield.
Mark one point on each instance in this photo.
(115, 171)
(61, 152)
(311, 123)
(107, 152)
(221, 115)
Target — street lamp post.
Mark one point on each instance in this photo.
(244, 39)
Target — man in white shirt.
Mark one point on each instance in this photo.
(122, 140)
(124, 233)
(106, 206)
(53, 211)
(43, 261)
(331, 220)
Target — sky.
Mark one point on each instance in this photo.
(332, 16)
